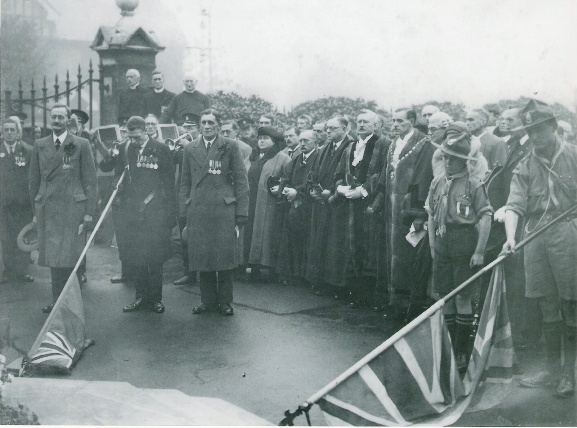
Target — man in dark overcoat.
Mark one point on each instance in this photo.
(328, 218)
(524, 314)
(146, 212)
(295, 226)
(15, 207)
(63, 187)
(405, 179)
(214, 199)
(357, 181)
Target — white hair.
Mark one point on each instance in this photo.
(133, 71)
(441, 117)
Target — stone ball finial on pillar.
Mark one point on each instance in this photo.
(127, 6)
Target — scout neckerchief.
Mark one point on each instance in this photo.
(441, 215)
(552, 177)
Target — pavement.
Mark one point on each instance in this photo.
(282, 345)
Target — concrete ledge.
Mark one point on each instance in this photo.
(77, 402)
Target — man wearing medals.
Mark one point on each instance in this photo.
(63, 187)
(214, 201)
(146, 212)
(15, 207)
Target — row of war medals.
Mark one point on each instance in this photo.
(150, 162)
(18, 160)
(214, 167)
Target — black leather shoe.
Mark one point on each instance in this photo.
(203, 309)
(118, 279)
(137, 305)
(48, 308)
(226, 309)
(82, 279)
(186, 279)
(157, 307)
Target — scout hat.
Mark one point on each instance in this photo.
(272, 132)
(28, 238)
(537, 112)
(457, 141)
(81, 114)
(190, 119)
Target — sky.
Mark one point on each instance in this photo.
(396, 52)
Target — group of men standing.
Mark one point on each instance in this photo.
(352, 208)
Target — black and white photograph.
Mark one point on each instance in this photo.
(288, 212)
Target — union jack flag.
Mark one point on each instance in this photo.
(416, 380)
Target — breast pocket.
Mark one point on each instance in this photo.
(463, 206)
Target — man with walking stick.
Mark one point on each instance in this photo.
(543, 186)
(63, 189)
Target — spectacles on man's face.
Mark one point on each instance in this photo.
(333, 128)
(433, 129)
(150, 123)
(225, 131)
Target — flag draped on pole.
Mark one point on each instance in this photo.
(416, 381)
(64, 339)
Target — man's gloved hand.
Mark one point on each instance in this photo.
(355, 193)
(290, 193)
(241, 220)
(343, 190)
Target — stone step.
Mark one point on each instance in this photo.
(76, 402)
(200, 410)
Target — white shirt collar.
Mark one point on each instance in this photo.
(132, 88)
(307, 155)
(365, 140)
(61, 137)
(208, 141)
(337, 145)
(190, 92)
(10, 147)
(523, 139)
(158, 91)
(407, 137)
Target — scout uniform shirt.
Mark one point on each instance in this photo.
(457, 200)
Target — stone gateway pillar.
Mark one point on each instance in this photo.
(122, 47)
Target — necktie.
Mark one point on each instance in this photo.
(57, 144)
(208, 144)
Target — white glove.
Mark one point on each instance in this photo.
(343, 190)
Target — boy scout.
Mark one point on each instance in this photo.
(543, 186)
(456, 204)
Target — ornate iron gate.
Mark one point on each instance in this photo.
(29, 105)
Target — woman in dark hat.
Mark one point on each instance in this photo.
(267, 165)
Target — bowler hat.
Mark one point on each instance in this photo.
(190, 119)
(457, 141)
(81, 114)
(537, 112)
(272, 132)
(28, 238)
